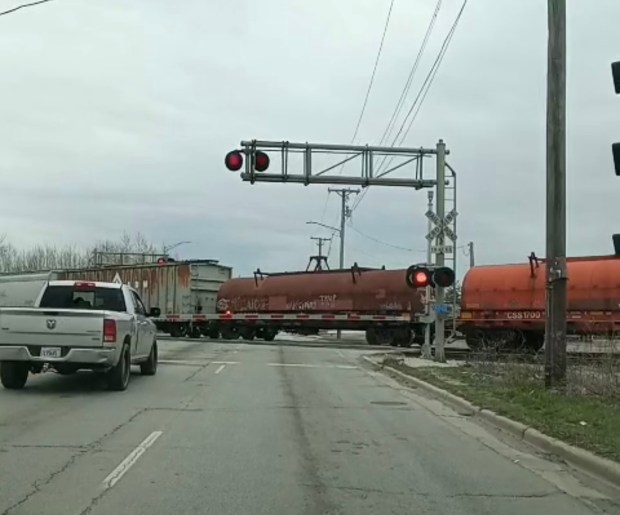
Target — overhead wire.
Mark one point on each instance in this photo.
(381, 242)
(407, 87)
(430, 77)
(368, 91)
(420, 97)
(23, 6)
(405, 92)
(374, 72)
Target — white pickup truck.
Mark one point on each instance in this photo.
(78, 325)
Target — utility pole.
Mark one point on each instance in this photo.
(426, 348)
(440, 353)
(556, 273)
(472, 261)
(344, 194)
(320, 259)
(345, 213)
(320, 243)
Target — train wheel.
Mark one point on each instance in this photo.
(403, 337)
(230, 333)
(269, 335)
(194, 332)
(247, 333)
(534, 340)
(371, 337)
(385, 336)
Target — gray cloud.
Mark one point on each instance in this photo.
(116, 117)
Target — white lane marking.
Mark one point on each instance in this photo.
(130, 460)
(309, 365)
(197, 362)
(340, 353)
(182, 362)
(220, 368)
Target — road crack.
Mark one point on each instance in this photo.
(84, 450)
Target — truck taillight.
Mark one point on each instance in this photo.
(109, 330)
(84, 286)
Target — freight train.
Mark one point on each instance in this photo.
(501, 305)
(376, 301)
(504, 305)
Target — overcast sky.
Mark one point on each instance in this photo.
(115, 116)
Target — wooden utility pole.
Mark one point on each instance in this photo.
(556, 273)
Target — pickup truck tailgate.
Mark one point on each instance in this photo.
(53, 327)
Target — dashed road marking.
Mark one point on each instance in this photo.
(220, 368)
(130, 460)
(311, 365)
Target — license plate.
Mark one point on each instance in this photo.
(50, 352)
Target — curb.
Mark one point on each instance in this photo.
(575, 456)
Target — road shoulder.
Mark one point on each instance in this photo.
(575, 456)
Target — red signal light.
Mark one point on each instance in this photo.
(261, 161)
(234, 160)
(418, 277)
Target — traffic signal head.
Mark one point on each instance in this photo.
(418, 277)
(615, 70)
(615, 148)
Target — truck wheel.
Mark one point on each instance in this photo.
(118, 377)
(149, 367)
(14, 374)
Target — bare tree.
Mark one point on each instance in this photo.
(47, 257)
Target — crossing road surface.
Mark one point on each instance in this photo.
(253, 429)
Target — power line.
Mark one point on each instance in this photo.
(409, 81)
(421, 96)
(430, 77)
(374, 72)
(368, 90)
(9, 11)
(404, 93)
(376, 240)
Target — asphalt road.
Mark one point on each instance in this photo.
(253, 429)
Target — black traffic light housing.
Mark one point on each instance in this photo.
(615, 148)
(234, 160)
(421, 276)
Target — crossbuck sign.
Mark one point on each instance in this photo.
(441, 227)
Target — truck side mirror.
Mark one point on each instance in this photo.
(154, 312)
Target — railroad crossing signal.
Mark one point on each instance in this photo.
(370, 159)
(234, 160)
(419, 276)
